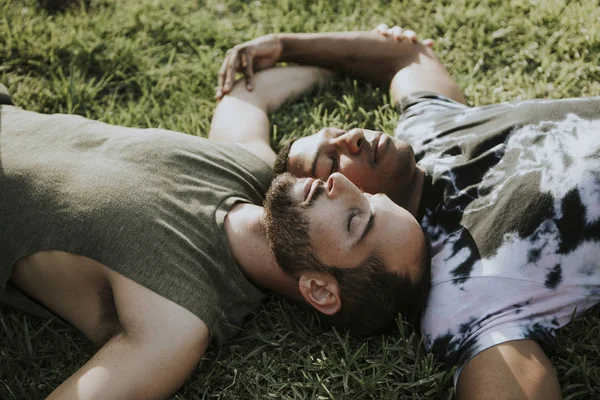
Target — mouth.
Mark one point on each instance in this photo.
(376, 147)
(306, 187)
(309, 188)
(380, 146)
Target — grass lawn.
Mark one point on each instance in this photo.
(154, 63)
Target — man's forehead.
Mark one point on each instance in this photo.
(302, 156)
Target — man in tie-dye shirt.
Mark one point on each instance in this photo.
(508, 194)
(513, 214)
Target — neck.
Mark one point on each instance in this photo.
(409, 196)
(250, 250)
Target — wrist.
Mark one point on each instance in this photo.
(274, 40)
(289, 44)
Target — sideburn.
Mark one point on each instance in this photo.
(286, 227)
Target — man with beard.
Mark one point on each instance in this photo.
(151, 243)
(508, 194)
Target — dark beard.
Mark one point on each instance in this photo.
(279, 196)
(370, 295)
(285, 225)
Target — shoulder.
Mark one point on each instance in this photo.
(238, 161)
(261, 150)
(423, 116)
(425, 102)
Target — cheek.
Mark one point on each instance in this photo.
(402, 163)
(400, 252)
(326, 244)
(360, 175)
(380, 181)
(321, 229)
(390, 175)
(393, 162)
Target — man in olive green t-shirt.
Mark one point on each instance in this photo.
(153, 243)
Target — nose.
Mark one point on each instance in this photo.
(339, 185)
(352, 140)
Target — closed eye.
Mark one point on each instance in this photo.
(334, 164)
(351, 216)
(368, 227)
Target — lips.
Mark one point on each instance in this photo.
(308, 184)
(376, 147)
(310, 188)
(380, 146)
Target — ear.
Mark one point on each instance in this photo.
(321, 291)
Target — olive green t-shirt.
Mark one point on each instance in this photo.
(148, 203)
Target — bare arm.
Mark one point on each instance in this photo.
(242, 116)
(366, 53)
(413, 66)
(512, 370)
(371, 55)
(160, 345)
(426, 73)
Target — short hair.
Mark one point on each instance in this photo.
(371, 296)
(282, 158)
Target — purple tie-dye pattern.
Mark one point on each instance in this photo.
(515, 231)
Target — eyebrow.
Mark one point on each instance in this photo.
(313, 168)
(367, 228)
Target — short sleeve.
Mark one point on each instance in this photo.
(422, 103)
(463, 320)
(422, 113)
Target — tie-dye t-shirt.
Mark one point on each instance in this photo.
(513, 215)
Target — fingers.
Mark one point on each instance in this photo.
(222, 72)
(230, 66)
(410, 35)
(231, 69)
(237, 59)
(382, 28)
(248, 71)
(398, 33)
(428, 42)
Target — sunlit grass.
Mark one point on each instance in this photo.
(154, 63)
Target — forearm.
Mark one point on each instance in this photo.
(127, 368)
(158, 347)
(276, 86)
(365, 53)
(242, 115)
